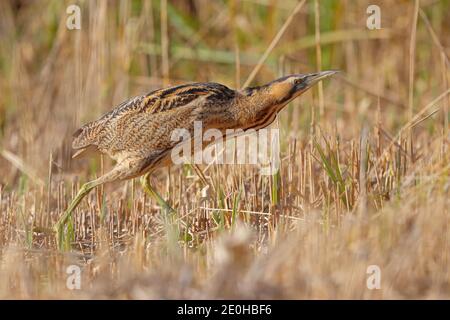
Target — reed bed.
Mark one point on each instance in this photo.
(365, 162)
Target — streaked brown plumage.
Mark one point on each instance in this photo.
(137, 133)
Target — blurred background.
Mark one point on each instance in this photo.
(54, 79)
(365, 161)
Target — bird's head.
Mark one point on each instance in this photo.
(264, 102)
(287, 88)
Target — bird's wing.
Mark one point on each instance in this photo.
(155, 102)
(87, 136)
(168, 99)
(179, 96)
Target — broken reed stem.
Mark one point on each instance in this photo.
(234, 27)
(412, 54)
(446, 101)
(164, 43)
(363, 170)
(318, 55)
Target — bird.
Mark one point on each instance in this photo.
(137, 132)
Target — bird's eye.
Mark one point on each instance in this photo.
(298, 81)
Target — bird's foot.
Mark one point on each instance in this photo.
(155, 195)
(64, 227)
(63, 230)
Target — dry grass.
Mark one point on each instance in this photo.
(357, 185)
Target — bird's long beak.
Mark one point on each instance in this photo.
(313, 78)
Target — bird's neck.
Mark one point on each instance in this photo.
(256, 105)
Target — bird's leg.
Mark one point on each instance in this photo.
(84, 190)
(116, 173)
(59, 226)
(155, 195)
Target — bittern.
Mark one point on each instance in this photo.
(137, 133)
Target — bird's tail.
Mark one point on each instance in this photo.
(85, 141)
